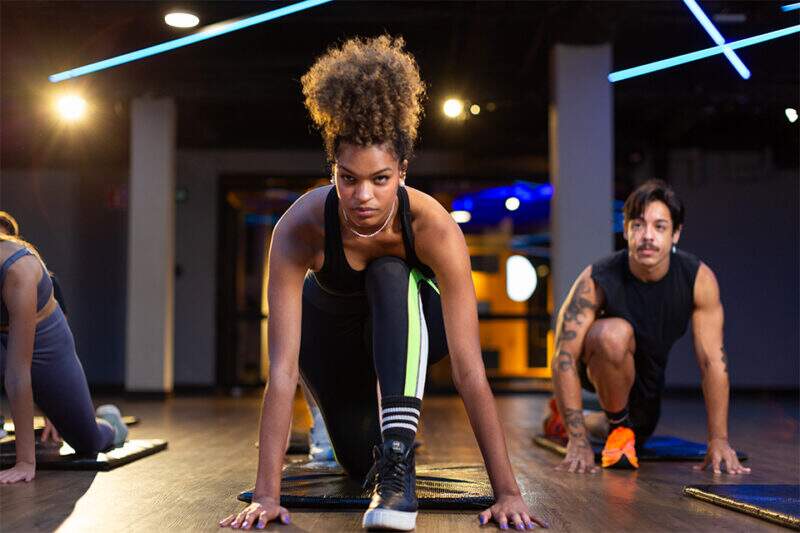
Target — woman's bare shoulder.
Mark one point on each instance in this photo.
(427, 212)
(303, 224)
(26, 269)
(7, 249)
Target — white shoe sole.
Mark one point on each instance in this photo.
(388, 519)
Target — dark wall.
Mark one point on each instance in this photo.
(77, 220)
(742, 220)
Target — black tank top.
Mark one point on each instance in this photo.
(336, 275)
(658, 311)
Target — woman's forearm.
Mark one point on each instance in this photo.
(276, 418)
(20, 398)
(482, 412)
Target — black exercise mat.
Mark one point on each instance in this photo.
(657, 448)
(38, 423)
(64, 458)
(776, 503)
(446, 486)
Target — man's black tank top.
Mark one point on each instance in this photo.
(336, 276)
(658, 311)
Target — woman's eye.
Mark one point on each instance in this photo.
(348, 179)
(381, 179)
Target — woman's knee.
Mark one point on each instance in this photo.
(610, 339)
(386, 271)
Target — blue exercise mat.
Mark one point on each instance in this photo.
(776, 503)
(657, 448)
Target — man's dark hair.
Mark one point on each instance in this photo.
(651, 191)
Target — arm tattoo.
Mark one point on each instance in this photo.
(573, 313)
(575, 425)
(574, 418)
(724, 359)
(565, 362)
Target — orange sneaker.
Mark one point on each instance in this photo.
(553, 425)
(620, 449)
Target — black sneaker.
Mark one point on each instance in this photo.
(394, 498)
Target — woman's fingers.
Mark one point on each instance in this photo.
(225, 522)
(501, 520)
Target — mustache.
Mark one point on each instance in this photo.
(647, 247)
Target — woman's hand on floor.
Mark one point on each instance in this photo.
(21, 472)
(257, 514)
(50, 434)
(511, 510)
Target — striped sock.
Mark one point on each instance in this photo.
(400, 418)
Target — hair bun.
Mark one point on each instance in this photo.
(366, 91)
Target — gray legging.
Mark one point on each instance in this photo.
(59, 386)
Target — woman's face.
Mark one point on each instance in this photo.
(366, 180)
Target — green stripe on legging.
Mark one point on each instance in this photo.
(412, 355)
(432, 284)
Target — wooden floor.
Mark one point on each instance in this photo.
(211, 457)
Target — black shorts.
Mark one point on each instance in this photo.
(644, 405)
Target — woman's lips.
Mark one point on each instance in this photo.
(364, 213)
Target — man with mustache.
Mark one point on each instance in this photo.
(615, 331)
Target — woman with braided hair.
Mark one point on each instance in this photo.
(370, 282)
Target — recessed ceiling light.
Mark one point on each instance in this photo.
(178, 19)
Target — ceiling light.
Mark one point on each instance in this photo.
(177, 19)
(475, 109)
(453, 107)
(71, 107)
(700, 54)
(791, 114)
(209, 32)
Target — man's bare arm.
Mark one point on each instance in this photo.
(574, 320)
(707, 326)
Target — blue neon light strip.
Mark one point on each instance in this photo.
(215, 30)
(790, 7)
(717, 37)
(700, 54)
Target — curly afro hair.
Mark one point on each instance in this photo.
(364, 92)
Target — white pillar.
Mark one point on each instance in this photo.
(581, 161)
(151, 247)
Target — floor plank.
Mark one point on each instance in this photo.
(212, 457)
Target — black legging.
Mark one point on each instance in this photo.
(351, 343)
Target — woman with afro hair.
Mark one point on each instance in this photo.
(370, 282)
